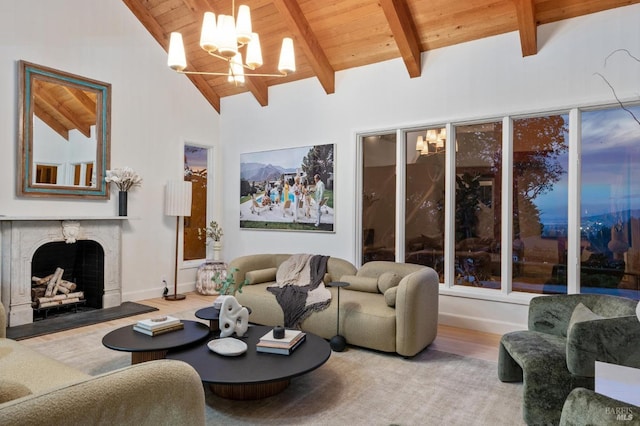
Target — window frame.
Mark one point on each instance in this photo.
(505, 293)
(194, 263)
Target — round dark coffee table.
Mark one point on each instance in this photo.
(149, 348)
(253, 375)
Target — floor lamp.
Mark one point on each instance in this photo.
(177, 202)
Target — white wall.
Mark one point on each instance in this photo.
(153, 112)
(480, 79)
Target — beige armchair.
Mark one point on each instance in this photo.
(37, 390)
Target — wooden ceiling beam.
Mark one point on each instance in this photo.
(525, 11)
(317, 58)
(405, 33)
(155, 29)
(258, 89)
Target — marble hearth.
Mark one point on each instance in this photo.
(20, 237)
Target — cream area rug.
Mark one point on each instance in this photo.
(355, 387)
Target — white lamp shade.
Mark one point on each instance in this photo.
(177, 198)
(208, 36)
(420, 143)
(243, 24)
(254, 52)
(425, 148)
(227, 44)
(236, 70)
(287, 61)
(177, 60)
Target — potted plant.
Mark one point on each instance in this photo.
(225, 284)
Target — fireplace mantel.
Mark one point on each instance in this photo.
(66, 217)
(21, 236)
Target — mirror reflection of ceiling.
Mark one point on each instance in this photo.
(64, 108)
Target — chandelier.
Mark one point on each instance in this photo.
(432, 143)
(223, 39)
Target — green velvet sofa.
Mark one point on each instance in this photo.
(37, 390)
(586, 407)
(403, 318)
(566, 335)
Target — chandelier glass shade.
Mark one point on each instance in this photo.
(433, 142)
(223, 38)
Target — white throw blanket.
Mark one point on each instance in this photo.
(299, 288)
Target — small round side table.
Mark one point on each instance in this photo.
(205, 274)
(212, 314)
(338, 342)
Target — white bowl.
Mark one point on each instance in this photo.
(228, 346)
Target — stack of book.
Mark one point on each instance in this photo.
(269, 344)
(158, 325)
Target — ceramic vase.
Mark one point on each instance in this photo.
(217, 249)
(122, 203)
(205, 274)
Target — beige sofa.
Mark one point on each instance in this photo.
(36, 390)
(403, 319)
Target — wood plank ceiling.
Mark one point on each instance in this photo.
(334, 35)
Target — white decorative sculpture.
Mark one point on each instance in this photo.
(233, 318)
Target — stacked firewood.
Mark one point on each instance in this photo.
(52, 290)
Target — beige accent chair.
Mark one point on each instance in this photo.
(36, 390)
(403, 318)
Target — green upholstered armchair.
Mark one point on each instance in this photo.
(586, 407)
(566, 335)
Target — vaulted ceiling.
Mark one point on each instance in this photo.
(334, 35)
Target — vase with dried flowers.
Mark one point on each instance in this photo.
(214, 233)
(125, 179)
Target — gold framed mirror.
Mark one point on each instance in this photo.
(64, 134)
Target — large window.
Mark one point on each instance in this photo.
(540, 204)
(477, 204)
(504, 195)
(424, 208)
(378, 197)
(610, 203)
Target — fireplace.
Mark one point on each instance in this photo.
(88, 249)
(82, 264)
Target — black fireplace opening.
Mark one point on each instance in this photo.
(83, 264)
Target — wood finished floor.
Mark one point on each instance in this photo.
(453, 340)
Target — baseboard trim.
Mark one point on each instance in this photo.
(479, 324)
